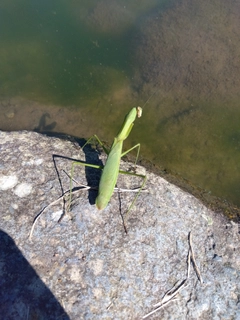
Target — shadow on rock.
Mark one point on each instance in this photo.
(23, 295)
(92, 174)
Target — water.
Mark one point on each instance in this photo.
(78, 68)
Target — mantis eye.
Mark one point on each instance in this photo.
(139, 112)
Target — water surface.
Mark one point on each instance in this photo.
(78, 68)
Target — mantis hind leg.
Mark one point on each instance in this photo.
(144, 177)
(75, 163)
(133, 174)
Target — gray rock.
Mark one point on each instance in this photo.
(86, 266)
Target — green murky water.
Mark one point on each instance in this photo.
(77, 67)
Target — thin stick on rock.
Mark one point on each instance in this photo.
(193, 259)
(171, 294)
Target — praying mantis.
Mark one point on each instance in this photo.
(111, 170)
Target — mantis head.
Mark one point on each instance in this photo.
(139, 112)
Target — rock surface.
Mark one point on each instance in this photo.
(86, 266)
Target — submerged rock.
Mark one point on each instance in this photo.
(191, 49)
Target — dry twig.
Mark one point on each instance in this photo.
(170, 295)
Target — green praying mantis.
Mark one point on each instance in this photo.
(111, 170)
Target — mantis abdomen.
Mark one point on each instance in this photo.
(109, 175)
